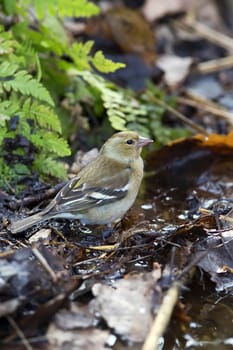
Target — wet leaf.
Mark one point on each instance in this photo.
(77, 317)
(88, 339)
(218, 262)
(126, 306)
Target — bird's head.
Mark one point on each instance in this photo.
(124, 146)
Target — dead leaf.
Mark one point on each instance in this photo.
(41, 235)
(132, 32)
(128, 29)
(126, 306)
(78, 317)
(175, 68)
(220, 143)
(10, 306)
(154, 10)
(88, 339)
(218, 263)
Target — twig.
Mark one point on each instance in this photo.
(102, 256)
(20, 333)
(7, 253)
(206, 32)
(60, 234)
(44, 263)
(170, 299)
(221, 217)
(32, 200)
(162, 319)
(179, 115)
(111, 247)
(215, 65)
(206, 105)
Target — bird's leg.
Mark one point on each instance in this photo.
(108, 231)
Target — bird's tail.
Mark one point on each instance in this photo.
(24, 224)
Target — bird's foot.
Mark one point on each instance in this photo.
(108, 232)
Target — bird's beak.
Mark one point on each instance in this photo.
(143, 141)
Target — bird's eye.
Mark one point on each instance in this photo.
(130, 142)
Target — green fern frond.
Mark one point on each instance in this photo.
(9, 6)
(50, 143)
(7, 69)
(48, 166)
(80, 52)
(3, 133)
(8, 109)
(44, 116)
(7, 44)
(24, 128)
(77, 8)
(68, 8)
(23, 82)
(105, 65)
(27, 56)
(120, 107)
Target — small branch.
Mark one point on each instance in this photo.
(20, 333)
(44, 263)
(206, 32)
(206, 105)
(215, 65)
(32, 200)
(180, 116)
(170, 299)
(221, 217)
(163, 317)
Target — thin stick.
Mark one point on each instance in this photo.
(111, 247)
(215, 65)
(162, 320)
(20, 333)
(221, 217)
(207, 106)
(206, 32)
(180, 116)
(44, 263)
(37, 198)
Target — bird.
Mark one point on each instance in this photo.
(103, 191)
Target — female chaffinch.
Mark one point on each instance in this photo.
(103, 191)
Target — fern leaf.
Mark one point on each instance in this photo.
(10, 6)
(50, 143)
(7, 70)
(105, 65)
(43, 115)
(76, 8)
(3, 134)
(79, 53)
(8, 109)
(49, 166)
(68, 8)
(7, 44)
(25, 84)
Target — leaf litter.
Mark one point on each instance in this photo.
(182, 220)
(66, 288)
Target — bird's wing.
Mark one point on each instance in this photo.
(80, 195)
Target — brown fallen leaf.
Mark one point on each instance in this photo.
(221, 143)
(128, 29)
